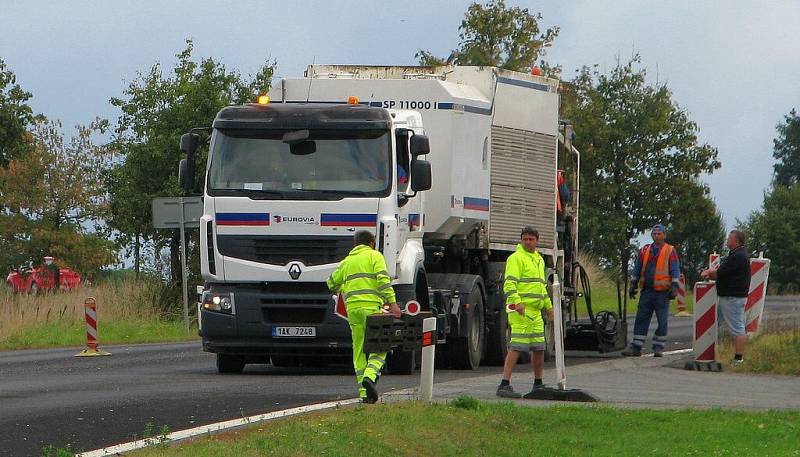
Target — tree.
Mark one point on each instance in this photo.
(697, 231)
(54, 196)
(156, 110)
(499, 36)
(15, 116)
(787, 150)
(775, 229)
(638, 149)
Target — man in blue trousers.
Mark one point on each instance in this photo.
(656, 273)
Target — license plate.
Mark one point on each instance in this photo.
(294, 332)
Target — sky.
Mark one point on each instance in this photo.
(734, 66)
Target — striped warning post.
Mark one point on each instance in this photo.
(754, 307)
(428, 359)
(681, 297)
(713, 260)
(704, 345)
(90, 310)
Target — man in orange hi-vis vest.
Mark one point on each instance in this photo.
(656, 272)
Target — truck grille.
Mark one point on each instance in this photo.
(280, 250)
(295, 303)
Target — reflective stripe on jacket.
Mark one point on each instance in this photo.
(362, 278)
(662, 280)
(525, 281)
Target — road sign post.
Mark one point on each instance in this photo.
(180, 213)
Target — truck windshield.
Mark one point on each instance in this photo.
(339, 164)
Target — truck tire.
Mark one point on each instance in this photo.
(229, 363)
(497, 340)
(401, 362)
(465, 353)
(34, 288)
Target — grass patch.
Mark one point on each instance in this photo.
(62, 334)
(775, 350)
(464, 428)
(128, 312)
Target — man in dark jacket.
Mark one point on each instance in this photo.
(733, 285)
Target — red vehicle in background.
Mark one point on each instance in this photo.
(46, 277)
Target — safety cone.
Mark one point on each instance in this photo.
(90, 310)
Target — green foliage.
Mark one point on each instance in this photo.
(15, 116)
(52, 196)
(775, 229)
(497, 35)
(696, 231)
(787, 150)
(639, 149)
(466, 402)
(51, 451)
(157, 108)
(505, 429)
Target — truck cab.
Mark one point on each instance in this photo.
(286, 187)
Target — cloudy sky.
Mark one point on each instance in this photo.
(735, 66)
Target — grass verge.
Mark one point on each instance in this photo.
(775, 350)
(470, 428)
(128, 312)
(62, 334)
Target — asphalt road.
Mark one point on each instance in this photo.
(49, 397)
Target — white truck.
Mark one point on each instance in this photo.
(445, 165)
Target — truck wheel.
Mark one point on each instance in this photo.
(34, 288)
(465, 353)
(229, 363)
(401, 362)
(497, 340)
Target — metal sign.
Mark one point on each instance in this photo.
(167, 212)
(180, 213)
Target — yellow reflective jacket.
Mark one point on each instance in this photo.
(525, 281)
(363, 279)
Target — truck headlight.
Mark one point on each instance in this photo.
(218, 302)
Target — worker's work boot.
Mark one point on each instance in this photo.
(632, 353)
(658, 354)
(372, 392)
(507, 392)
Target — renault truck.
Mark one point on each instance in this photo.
(444, 165)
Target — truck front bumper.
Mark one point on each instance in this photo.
(259, 308)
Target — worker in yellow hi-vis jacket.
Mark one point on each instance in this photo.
(363, 280)
(525, 287)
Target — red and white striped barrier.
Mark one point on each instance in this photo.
(681, 298)
(704, 345)
(754, 307)
(90, 310)
(713, 261)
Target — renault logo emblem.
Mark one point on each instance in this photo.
(295, 271)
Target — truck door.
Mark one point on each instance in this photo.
(409, 215)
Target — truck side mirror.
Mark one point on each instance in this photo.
(189, 143)
(420, 174)
(420, 145)
(185, 179)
